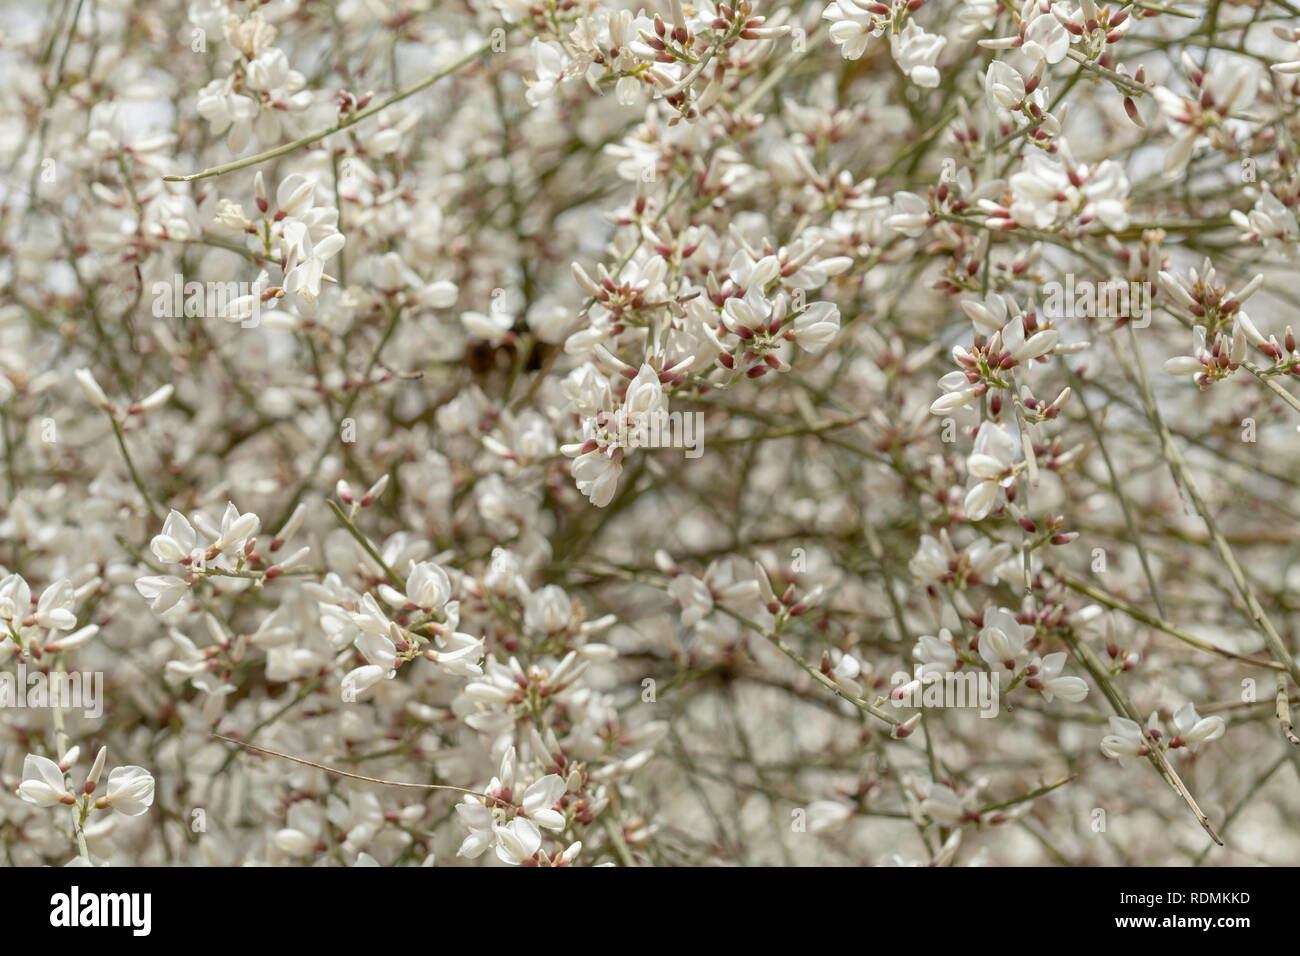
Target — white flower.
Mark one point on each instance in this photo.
(911, 214)
(645, 395)
(551, 62)
(1127, 739)
(694, 597)
(1048, 191)
(1046, 679)
(852, 25)
(1183, 365)
(43, 783)
(931, 562)
(225, 109)
(1002, 639)
(816, 326)
(1022, 349)
(548, 610)
(1194, 730)
(596, 473)
(943, 806)
(494, 823)
(1269, 220)
(427, 586)
(302, 283)
(959, 392)
(302, 833)
(916, 52)
(378, 650)
(826, 815)
(1004, 86)
(359, 680)
(1228, 88)
(936, 655)
(985, 561)
(846, 671)
(1292, 66)
(389, 273)
(130, 790)
(540, 799)
(1046, 39)
(493, 326)
(481, 278)
(359, 819)
(92, 390)
(162, 592)
(15, 600)
(53, 610)
(236, 529)
(976, 17)
(75, 639)
(269, 91)
(458, 654)
(177, 541)
(991, 466)
(517, 842)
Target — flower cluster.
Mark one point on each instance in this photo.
(676, 433)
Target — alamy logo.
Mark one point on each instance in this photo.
(73, 909)
(78, 690)
(1085, 299)
(233, 301)
(934, 689)
(656, 429)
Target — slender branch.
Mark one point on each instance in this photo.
(356, 776)
(1151, 620)
(1283, 710)
(1124, 706)
(345, 123)
(1033, 794)
(130, 466)
(1175, 459)
(61, 745)
(365, 542)
(1124, 505)
(1272, 383)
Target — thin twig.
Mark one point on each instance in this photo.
(341, 125)
(1122, 705)
(1179, 467)
(357, 776)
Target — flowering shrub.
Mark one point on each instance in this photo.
(572, 432)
